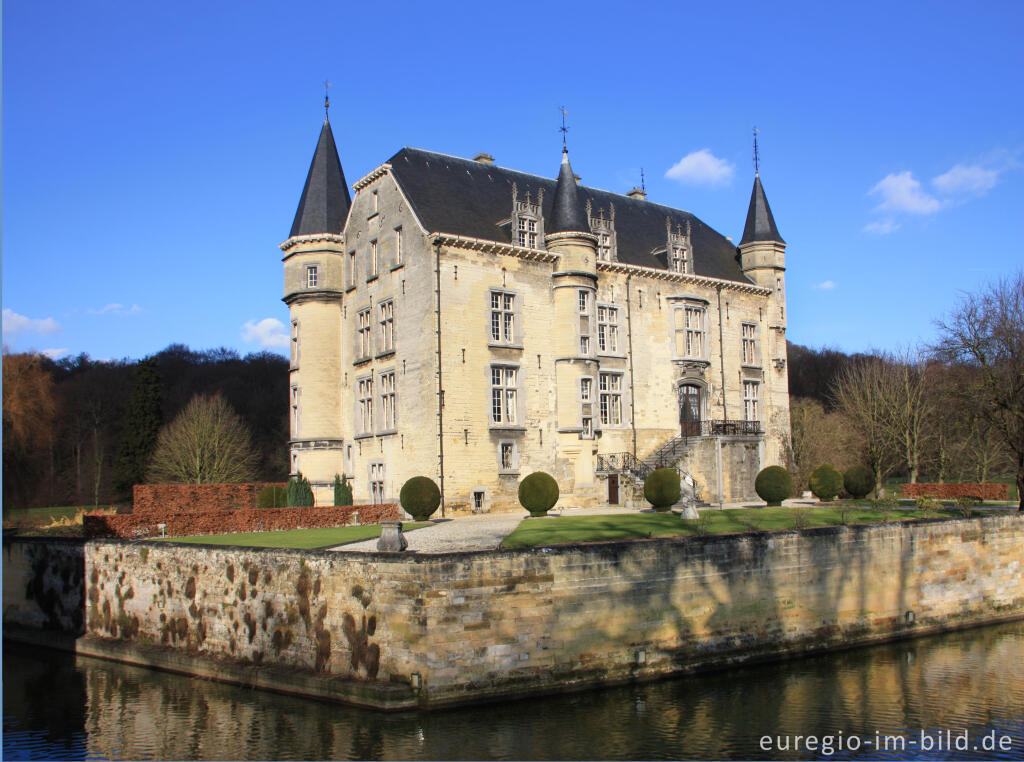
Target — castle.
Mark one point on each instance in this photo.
(471, 323)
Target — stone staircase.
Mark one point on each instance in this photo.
(667, 455)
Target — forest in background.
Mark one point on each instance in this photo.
(70, 436)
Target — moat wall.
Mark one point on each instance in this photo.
(471, 625)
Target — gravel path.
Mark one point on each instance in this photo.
(482, 532)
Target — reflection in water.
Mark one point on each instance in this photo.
(61, 707)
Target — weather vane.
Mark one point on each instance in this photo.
(643, 187)
(757, 159)
(327, 99)
(563, 129)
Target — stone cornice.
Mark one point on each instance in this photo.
(380, 171)
(569, 235)
(313, 238)
(674, 277)
(493, 247)
(322, 295)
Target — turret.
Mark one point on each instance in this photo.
(762, 250)
(313, 288)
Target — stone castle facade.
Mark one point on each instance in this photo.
(470, 323)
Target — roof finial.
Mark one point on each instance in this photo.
(327, 99)
(757, 159)
(563, 129)
(643, 186)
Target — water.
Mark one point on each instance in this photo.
(58, 706)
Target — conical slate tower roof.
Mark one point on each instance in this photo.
(567, 214)
(325, 197)
(760, 223)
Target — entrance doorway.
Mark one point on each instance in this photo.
(689, 410)
(613, 489)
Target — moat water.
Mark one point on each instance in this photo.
(959, 695)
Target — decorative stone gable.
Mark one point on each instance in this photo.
(602, 224)
(527, 219)
(679, 252)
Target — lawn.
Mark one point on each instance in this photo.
(302, 539)
(43, 516)
(625, 526)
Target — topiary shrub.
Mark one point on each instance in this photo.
(826, 482)
(773, 485)
(538, 493)
(300, 493)
(342, 490)
(420, 497)
(661, 488)
(859, 481)
(272, 496)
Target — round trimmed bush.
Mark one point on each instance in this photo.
(859, 481)
(662, 489)
(272, 496)
(826, 482)
(538, 493)
(420, 497)
(773, 485)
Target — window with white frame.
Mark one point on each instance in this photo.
(508, 457)
(296, 411)
(585, 304)
(374, 259)
(610, 399)
(587, 407)
(363, 339)
(312, 276)
(749, 336)
(680, 260)
(399, 251)
(750, 401)
(504, 394)
(689, 332)
(503, 317)
(387, 400)
(386, 326)
(528, 232)
(295, 344)
(364, 404)
(377, 482)
(604, 247)
(607, 328)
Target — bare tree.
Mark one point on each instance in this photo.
(862, 393)
(910, 406)
(207, 443)
(819, 437)
(29, 409)
(986, 332)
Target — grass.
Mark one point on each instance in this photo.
(41, 516)
(570, 529)
(301, 539)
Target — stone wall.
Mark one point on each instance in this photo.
(497, 623)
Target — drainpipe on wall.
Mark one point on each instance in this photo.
(629, 340)
(721, 356)
(440, 386)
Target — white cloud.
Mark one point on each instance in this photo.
(269, 333)
(702, 168)
(53, 354)
(902, 193)
(826, 285)
(15, 324)
(882, 227)
(966, 179)
(116, 309)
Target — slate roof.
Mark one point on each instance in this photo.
(470, 198)
(760, 223)
(325, 199)
(568, 212)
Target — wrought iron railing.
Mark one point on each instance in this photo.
(619, 462)
(734, 428)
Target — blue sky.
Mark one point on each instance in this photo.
(154, 153)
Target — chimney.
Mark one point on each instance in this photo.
(639, 193)
(484, 158)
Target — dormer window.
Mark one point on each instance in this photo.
(312, 276)
(603, 226)
(528, 232)
(679, 261)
